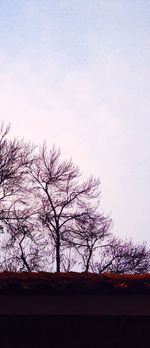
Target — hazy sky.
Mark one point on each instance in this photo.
(77, 73)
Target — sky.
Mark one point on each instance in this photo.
(76, 73)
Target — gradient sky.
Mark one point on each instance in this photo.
(77, 73)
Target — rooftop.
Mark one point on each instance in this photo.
(73, 283)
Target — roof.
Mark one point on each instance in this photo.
(73, 283)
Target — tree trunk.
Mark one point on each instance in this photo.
(88, 261)
(58, 252)
(25, 262)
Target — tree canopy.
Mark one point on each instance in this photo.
(51, 219)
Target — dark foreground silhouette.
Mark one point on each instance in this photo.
(74, 331)
(74, 310)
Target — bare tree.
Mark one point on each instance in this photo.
(91, 234)
(24, 245)
(69, 259)
(62, 197)
(15, 157)
(48, 214)
(15, 191)
(123, 257)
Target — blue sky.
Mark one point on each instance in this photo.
(77, 74)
